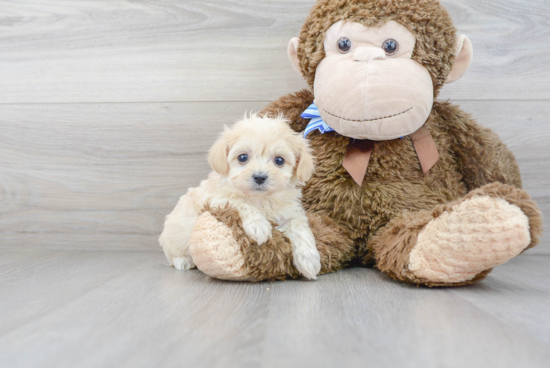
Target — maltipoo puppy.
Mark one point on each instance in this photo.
(259, 164)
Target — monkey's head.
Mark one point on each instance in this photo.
(375, 66)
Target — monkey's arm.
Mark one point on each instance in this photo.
(220, 248)
(291, 106)
(481, 156)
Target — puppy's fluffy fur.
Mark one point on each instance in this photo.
(260, 188)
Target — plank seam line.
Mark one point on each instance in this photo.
(244, 101)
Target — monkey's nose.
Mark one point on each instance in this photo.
(368, 54)
(259, 178)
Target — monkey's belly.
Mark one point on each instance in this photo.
(374, 204)
(394, 183)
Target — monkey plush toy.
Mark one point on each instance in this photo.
(404, 183)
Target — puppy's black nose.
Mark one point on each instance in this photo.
(259, 178)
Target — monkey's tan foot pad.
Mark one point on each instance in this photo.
(215, 251)
(475, 235)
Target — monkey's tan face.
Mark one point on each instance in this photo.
(367, 86)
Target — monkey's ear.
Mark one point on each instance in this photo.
(464, 55)
(217, 156)
(292, 51)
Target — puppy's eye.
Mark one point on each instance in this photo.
(344, 45)
(390, 46)
(243, 158)
(279, 161)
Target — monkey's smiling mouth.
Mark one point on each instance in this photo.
(363, 121)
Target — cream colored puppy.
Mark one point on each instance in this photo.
(258, 165)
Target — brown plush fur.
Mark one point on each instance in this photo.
(335, 246)
(394, 243)
(428, 20)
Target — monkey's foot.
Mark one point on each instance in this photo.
(469, 238)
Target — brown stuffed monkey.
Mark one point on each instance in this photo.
(403, 182)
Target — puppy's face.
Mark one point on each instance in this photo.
(262, 156)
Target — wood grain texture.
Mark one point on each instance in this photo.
(228, 50)
(126, 309)
(103, 176)
(506, 36)
(135, 51)
(513, 294)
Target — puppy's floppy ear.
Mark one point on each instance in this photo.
(306, 163)
(217, 156)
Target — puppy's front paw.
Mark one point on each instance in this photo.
(308, 261)
(183, 263)
(258, 229)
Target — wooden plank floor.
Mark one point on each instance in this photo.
(127, 309)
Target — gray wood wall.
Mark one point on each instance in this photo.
(107, 108)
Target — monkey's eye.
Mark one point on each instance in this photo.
(390, 46)
(279, 161)
(243, 158)
(344, 45)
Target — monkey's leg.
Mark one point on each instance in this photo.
(460, 242)
(220, 248)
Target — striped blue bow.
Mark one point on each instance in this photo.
(316, 123)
